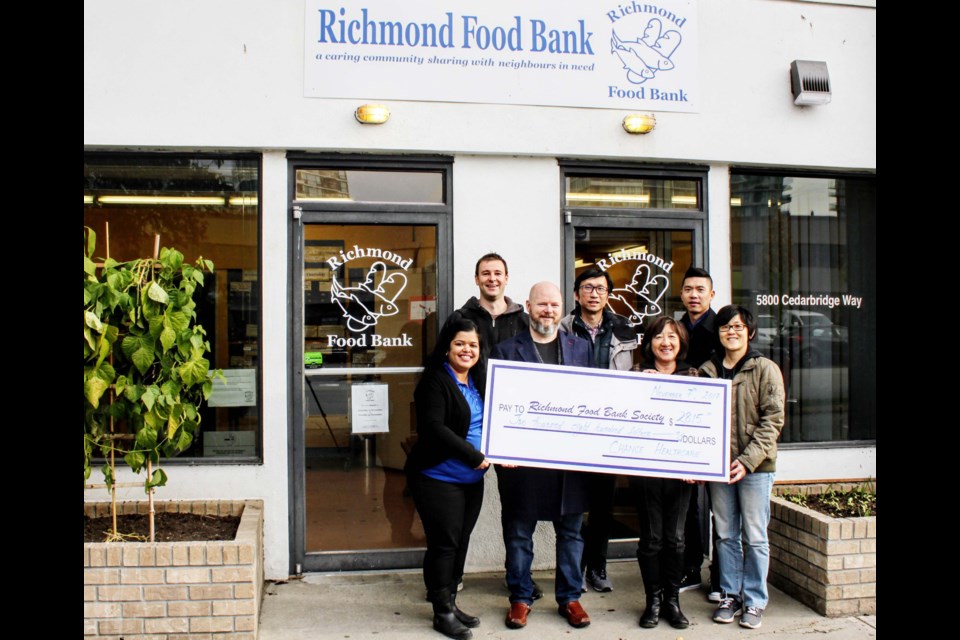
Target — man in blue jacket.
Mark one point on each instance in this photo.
(527, 494)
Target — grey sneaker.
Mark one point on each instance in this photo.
(728, 610)
(597, 578)
(751, 617)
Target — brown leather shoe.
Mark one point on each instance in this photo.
(574, 614)
(517, 616)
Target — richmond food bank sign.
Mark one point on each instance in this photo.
(617, 55)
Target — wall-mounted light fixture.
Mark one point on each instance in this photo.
(639, 123)
(810, 82)
(372, 113)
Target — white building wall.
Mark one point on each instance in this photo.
(510, 206)
(227, 75)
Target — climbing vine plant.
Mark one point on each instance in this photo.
(145, 367)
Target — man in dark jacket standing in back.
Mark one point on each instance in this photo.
(528, 494)
(497, 316)
(696, 295)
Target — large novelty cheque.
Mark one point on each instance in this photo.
(562, 417)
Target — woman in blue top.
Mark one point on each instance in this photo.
(445, 468)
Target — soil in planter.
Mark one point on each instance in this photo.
(839, 504)
(168, 527)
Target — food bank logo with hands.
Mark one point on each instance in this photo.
(375, 297)
(644, 56)
(641, 297)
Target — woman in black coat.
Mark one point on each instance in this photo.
(445, 468)
(662, 502)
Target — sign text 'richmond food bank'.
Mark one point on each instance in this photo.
(607, 54)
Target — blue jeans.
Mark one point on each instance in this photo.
(518, 540)
(741, 513)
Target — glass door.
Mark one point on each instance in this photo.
(369, 317)
(368, 287)
(647, 267)
(645, 230)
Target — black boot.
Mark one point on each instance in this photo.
(650, 573)
(444, 619)
(672, 573)
(671, 608)
(651, 614)
(465, 619)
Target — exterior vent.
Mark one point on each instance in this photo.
(810, 82)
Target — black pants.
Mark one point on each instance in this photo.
(662, 511)
(596, 531)
(449, 512)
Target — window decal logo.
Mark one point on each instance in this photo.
(645, 56)
(364, 304)
(640, 298)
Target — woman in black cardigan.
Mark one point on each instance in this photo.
(445, 468)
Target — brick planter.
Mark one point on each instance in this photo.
(184, 590)
(829, 564)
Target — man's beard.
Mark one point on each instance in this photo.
(545, 330)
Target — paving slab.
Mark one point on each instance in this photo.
(391, 605)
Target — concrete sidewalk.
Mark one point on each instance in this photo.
(392, 605)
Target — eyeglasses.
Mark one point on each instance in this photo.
(589, 288)
(736, 328)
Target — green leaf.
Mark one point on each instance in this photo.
(184, 440)
(131, 392)
(171, 258)
(107, 471)
(168, 337)
(107, 340)
(158, 479)
(91, 240)
(89, 340)
(171, 389)
(179, 321)
(110, 263)
(194, 371)
(89, 267)
(146, 438)
(106, 372)
(91, 320)
(157, 293)
(149, 397)
(135, 460)
(153, 420)
(93, 390)
(172, 425)
(140, 351)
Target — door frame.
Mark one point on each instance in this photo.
(692, 220)
(304, 213)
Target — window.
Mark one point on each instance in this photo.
(804, 261)
(203, 206)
